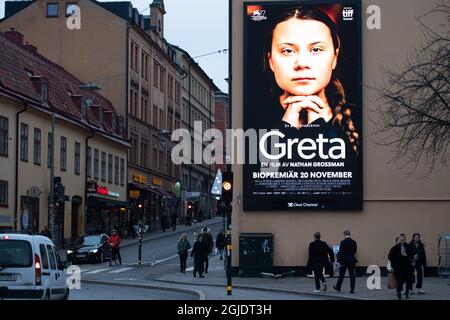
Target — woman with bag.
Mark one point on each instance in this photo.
(400, 256)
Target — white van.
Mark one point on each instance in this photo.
(30, 268)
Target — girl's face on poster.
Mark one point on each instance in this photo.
(302, 57)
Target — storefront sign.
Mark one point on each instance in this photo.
(135, 194)
(139, 178)
(156, 182)
(303, 95)
(113, 194)
(102, 190)
(91, 187)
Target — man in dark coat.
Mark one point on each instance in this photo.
(320, 255)
(199, 251)
(347, 260)
(220, 243)
(209, 245)
(400, 257)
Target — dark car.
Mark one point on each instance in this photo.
(92, 248)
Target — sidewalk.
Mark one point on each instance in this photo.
(435, 288)
(157, 234)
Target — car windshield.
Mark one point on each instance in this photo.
(15, 253)
(90, 241)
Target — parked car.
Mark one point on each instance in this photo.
(92, 248)
(31, 268)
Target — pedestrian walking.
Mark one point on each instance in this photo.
(347, 261)
(320, 255)
(163, 222)
(114, 242)
(401, 256)
(183, 249)
(419, 262)
(209, 245)
(199, 251)
(220, 243)
(173, 218)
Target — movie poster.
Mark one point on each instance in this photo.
(303, 97)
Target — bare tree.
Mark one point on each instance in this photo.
(413, 101)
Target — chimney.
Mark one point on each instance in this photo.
(14, 36)
(30, 47)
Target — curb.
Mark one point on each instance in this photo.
(200, 295)
(165, 235)
(268, 289)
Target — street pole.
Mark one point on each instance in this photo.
(140, 246)
(51, 205)
(229, 284)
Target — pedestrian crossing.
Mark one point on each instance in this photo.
(90, 270)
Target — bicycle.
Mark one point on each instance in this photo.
(113, 256)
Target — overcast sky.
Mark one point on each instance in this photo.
(197, 26)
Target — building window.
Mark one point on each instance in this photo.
(96, 163)
(49, 150)
(23, 142)
(144, 153)
(134, 149)
(63, 153)
(110, 168)
(144, 109)
(155, 158)
(37, 146)
(162, 80)
(4, 136)
(144, 66)
(177, 92)
(132, 49)
(52, 10)
(3, 193)
(77, 158)
(89, 162)
(116, 170)
(122, 171)
(103, 166)
(71, 8)
(155, 116)
(155, 74)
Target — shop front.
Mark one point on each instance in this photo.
(105, 211)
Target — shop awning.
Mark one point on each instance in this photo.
(164, 193)
(145, 187)
(106, 203)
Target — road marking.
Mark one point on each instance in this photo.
(190, 269)
(97, 271)
(120, 270)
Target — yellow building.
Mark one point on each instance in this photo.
(89, 146)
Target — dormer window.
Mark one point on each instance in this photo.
(101, 116)
(114, 123)
(44, 90)
(83, 109)
(40, 84)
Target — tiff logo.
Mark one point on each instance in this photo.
(347, 13)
